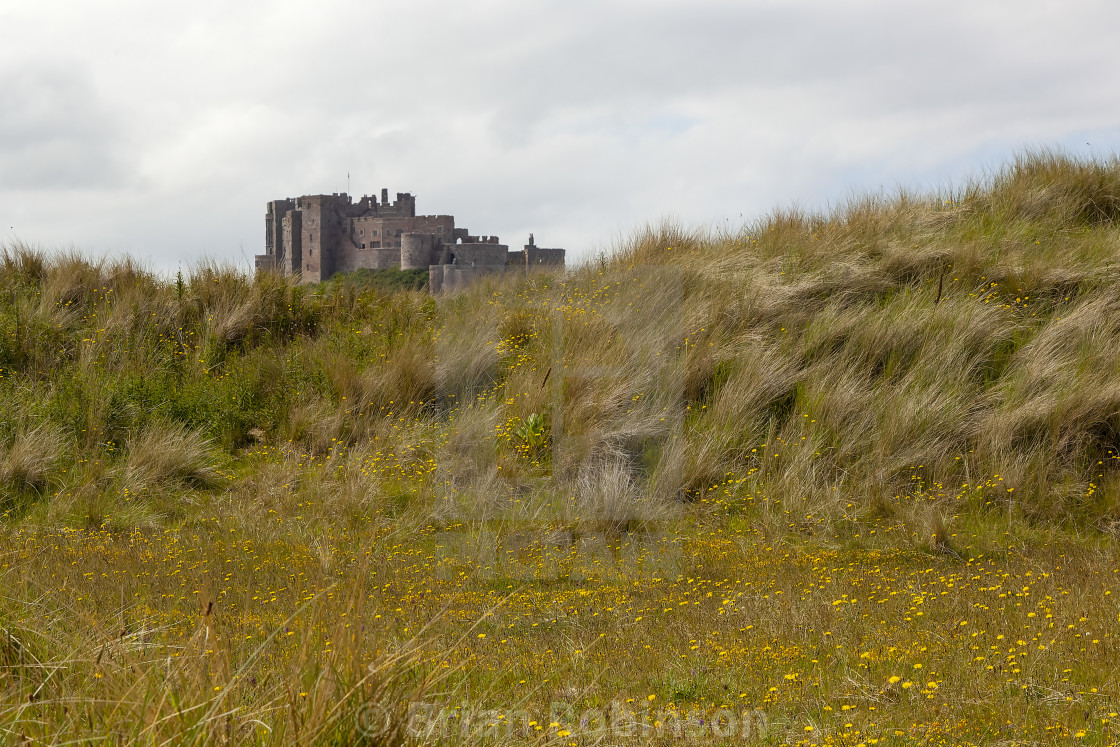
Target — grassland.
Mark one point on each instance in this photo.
(832, 479)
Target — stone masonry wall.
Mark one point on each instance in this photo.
(479, 255)
(367, 240)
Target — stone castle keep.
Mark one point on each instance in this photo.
(316, 236)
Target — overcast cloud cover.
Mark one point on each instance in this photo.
(161, 129)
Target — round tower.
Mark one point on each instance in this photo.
(416, 251)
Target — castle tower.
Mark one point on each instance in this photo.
(416, 251)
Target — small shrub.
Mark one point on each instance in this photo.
(390, 280)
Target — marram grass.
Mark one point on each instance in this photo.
(833, 479)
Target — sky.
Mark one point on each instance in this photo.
(160, 130)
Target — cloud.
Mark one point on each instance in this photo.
(55, 132)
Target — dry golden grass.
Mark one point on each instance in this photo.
(30, 461)
(172, 456)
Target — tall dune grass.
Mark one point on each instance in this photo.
(960, 334)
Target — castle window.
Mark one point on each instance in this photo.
(362, 232)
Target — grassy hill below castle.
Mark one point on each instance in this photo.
(844, 477)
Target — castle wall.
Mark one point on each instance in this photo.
(479, 255)
(349, 258)
(535, 256)
(392, 229)
(382, 259)
(370, 231)
(375, 243)
(344, 255)
(456, 278)
(366, 231)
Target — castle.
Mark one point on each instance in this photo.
(316, 236)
